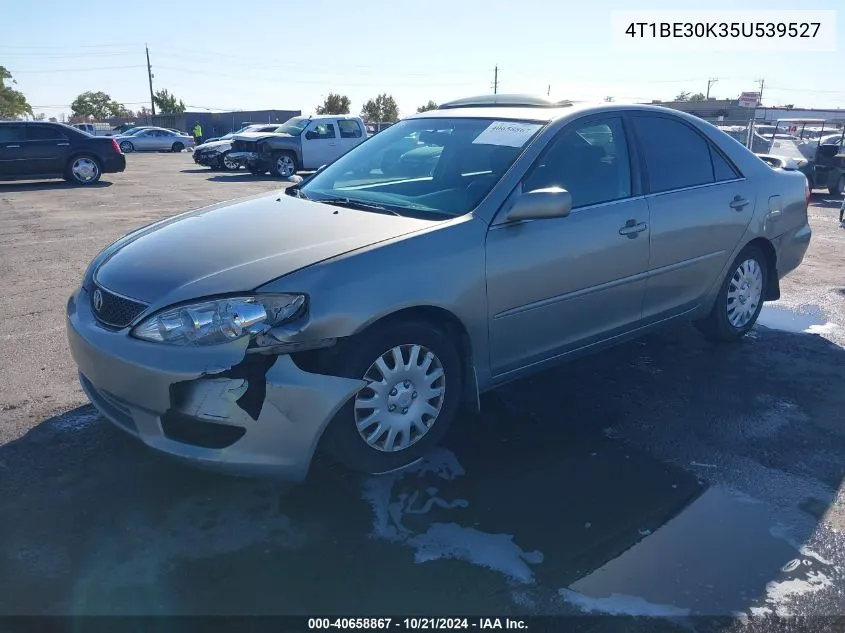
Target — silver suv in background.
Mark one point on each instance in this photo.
(361, 310)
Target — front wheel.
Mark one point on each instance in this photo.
(126, 147)
(740, 299)
(228, 164)
(838, 188)
(413, 375)
(284, 165)
(83, 170)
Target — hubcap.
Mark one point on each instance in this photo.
(84, 169)
(402, 399)
(284, 166)
(745, 293)
(229, 163)
(126, 147)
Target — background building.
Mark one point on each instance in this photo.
(212, 123)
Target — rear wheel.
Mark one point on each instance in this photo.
(177, 147)
(414, 381)
(740, 299)
(83, 170)
(839, 187)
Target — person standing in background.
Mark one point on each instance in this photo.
(197, 133)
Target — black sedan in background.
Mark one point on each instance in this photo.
(31, 150)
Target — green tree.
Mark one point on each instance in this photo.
(13, 103)
(697, 97)
(684, 96)
(428, 106)
(39, 117)
(334, 104)
(382, 109)
(167, 104)
(94, 105)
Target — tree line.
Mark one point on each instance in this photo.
(98, 105)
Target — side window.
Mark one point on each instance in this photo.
(44, 133)
(722, 169)
(675, 155)
(589, 160)
(321, 131)
(11, 133)
(349, 129)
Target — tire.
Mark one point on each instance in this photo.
(83, 169)
(127, 147)
(284, 164)
(342, 439)
(177, 147)
(726, 323)
(257, 169)
(838, 188)
(228, 164)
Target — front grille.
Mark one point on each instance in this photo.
(113, 309)
(243, 146)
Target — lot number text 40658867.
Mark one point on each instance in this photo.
(417, 623)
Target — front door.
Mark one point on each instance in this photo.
(11, 150)
(146, 140)
(320, 144)
(46, 150)
(556, 285)
(700, 205)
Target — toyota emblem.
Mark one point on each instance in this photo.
(98, 299)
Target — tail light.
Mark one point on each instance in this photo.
(116, 146)
(807, 193)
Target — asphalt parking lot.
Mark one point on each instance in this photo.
(665, 477)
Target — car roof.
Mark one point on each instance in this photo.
(542, 114)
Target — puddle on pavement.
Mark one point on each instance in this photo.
(809, 321)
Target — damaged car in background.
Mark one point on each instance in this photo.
(361, 309)
(215, 153)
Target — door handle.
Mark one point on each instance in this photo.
(63, 144)
(12, 146)
(738, 203)
(632, 229)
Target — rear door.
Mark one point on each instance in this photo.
(351, 133)
(46, 149)
(12, 139)
(700, 206)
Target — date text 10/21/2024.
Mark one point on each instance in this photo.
(416, 623)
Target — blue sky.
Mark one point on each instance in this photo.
(217, 56)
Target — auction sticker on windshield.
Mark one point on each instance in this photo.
(507, 133)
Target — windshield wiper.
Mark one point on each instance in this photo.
(358, 204)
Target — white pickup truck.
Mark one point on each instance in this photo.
(301, 143)
(95, 129)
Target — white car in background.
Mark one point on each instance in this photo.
(154, 139)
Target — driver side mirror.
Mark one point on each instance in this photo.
(540, 204)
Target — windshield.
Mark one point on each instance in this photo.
(441, 167)
(293, 126)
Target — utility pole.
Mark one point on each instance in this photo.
(710, 82)
(760, 98)
(549, 91)
(496, 80)
(150, 77)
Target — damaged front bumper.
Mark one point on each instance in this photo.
(244, 158)
(215, 406)
(207, 159)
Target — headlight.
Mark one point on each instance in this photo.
(220, 320)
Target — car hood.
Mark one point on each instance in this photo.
(214, 145)
(237, 247)
(254, 136)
